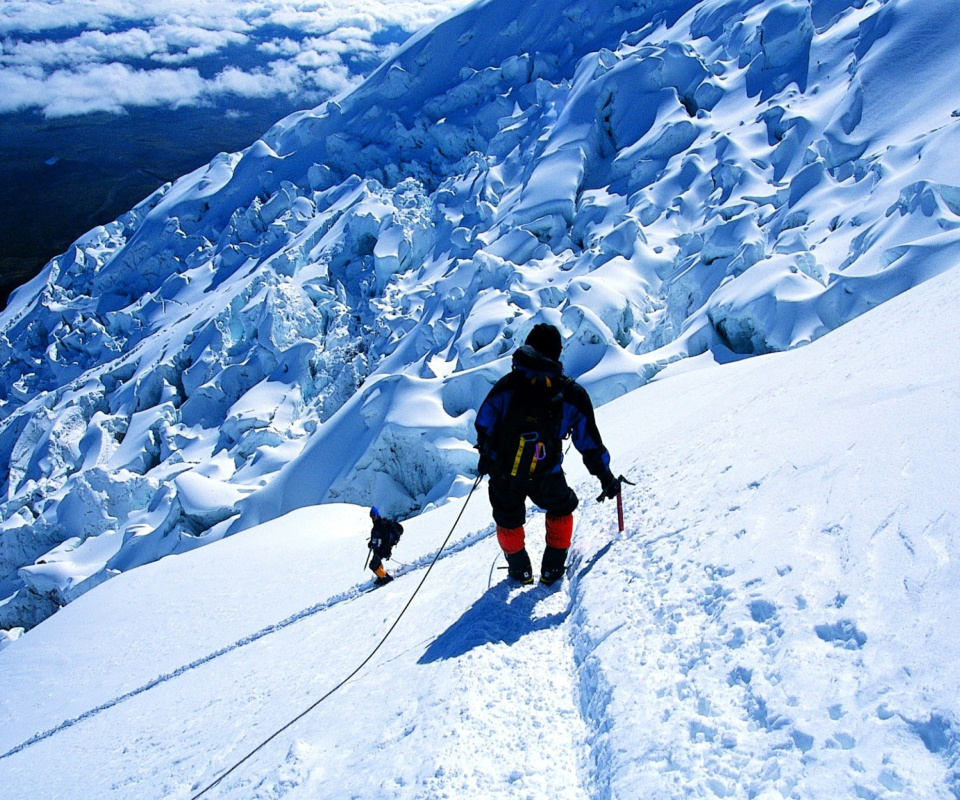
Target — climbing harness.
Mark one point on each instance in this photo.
(363, 663)
(537, 453)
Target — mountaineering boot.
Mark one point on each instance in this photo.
(382, 576)
(553, 565)
(519, 567)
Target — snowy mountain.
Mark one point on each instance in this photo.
(315, 319)
(777, 620)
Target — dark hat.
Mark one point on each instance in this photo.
(545, 339)
(374, 512)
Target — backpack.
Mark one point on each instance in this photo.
(528, 442)
(386, 534)
(394, 531)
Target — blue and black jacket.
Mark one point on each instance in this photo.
(536, 394)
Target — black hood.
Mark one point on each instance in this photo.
(533, 363)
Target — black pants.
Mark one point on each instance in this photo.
(549, 492)
(378, 557)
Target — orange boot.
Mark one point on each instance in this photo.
(382, 576)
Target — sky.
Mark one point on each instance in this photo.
(78, 57)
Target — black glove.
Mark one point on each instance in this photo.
(484, 465)
(611, 487)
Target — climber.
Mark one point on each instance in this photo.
(384, 536)
(520, 429)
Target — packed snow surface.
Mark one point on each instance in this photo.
(315, 319)
(777, 620)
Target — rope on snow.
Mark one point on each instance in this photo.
(363, 663)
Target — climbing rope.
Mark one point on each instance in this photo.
(363, 663)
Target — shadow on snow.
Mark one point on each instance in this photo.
(504, 613)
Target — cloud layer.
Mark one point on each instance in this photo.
(78, 57)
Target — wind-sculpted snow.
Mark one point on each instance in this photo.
(317, 317)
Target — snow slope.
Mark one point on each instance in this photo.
(661, 179)
(777, 620)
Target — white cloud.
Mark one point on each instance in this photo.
(279, 47)
(90, 47)
(33, 16)
(314, 59)
(103, 87)
(167, 43)
(329, 81)
(316, 16)
(183, 43)
(313, 22)
(114, 87)
(102, 66)
(282, 79)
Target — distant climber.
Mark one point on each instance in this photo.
(520, 430)
(383, 538)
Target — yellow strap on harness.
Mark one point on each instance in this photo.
(516, 461)
(521, 449)
(539, 453)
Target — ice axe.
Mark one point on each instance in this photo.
(605, 494)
